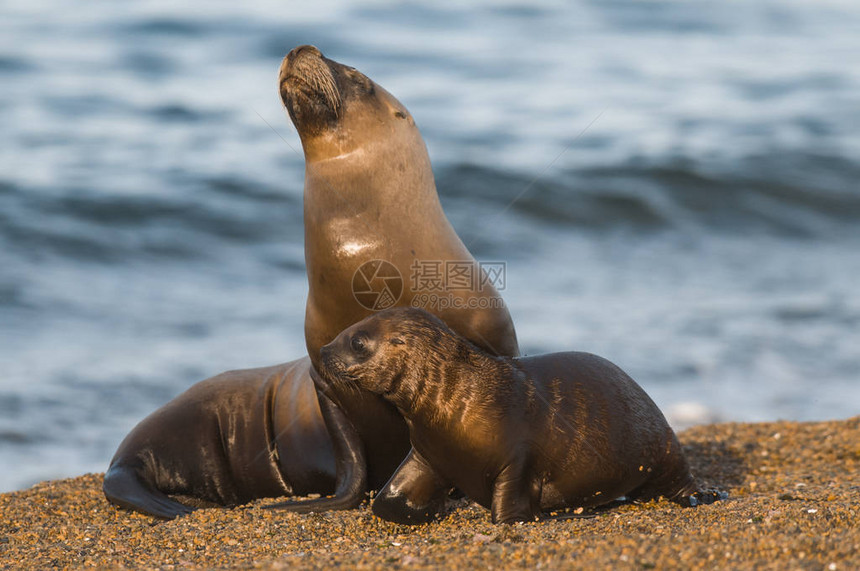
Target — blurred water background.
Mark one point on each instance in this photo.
(691, 207)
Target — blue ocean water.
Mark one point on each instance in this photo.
(673, 185)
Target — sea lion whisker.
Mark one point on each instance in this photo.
(316, 82)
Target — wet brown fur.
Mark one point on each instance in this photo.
(559, 430)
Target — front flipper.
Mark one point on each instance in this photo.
(350, 464)
(124, 487)
(514, 497)
(415, 494)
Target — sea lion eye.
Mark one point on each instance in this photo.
(357, 344)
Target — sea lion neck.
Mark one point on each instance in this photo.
(342, 181)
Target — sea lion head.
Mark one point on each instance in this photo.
(336, 108)
(382, 353)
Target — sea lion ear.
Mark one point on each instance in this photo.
(396, 341)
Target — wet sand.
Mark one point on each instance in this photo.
(794, 504)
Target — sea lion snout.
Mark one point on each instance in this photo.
(325, 352)
(330, 369)
(299, 55)
(309, 89)
(337, 356)
(329, 363)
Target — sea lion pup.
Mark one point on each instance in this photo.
(519, 436)
(370, 198)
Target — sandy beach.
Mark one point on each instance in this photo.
(794, 504)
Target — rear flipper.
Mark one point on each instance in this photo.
(124, 487)
(700, 497)
(680, 486)
(676, 482)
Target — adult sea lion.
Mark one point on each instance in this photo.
(370, 196)
(238, 436)
(370, 202)
(519, 436)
